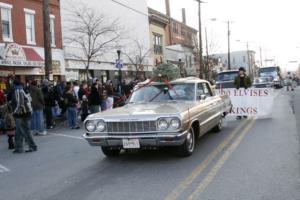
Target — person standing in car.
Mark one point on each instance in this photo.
(242, 81)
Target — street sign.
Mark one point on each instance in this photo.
(119, 64)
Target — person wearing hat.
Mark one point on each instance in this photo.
(242, 81)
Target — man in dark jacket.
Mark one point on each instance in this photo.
(242, 81)
(22, 109)
(49, 104)
(38, 104)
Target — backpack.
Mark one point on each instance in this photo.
(9, 122)
(23, 103)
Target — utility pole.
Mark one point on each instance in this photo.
(249, 62)
(228, 26)
(200, 39)
(261, 62)
(207, 58)
(47, 41)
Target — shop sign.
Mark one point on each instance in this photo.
(13, 54)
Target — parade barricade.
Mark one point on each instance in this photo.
(257, 102)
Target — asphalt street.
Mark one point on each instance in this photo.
(253, 159)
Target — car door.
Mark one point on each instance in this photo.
(203, 107)
(214, 106)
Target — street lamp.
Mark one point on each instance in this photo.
(181, 69)
(228, 39)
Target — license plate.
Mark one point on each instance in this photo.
(131, 143)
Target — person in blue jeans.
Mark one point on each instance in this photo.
(38, 105)
(71, 104)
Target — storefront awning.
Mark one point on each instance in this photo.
(32, 55)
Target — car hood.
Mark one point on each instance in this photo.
(137, 111)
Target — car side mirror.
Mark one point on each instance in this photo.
(202, 97)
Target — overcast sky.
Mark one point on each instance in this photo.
(272, 25)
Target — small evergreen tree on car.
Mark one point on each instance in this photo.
(167, 71)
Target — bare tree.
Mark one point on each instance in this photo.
(91, 33)
(137, 55)
(212, 46)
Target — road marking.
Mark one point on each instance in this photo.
(196, 172)
(214, 171)
(68, 136)
(3, 169)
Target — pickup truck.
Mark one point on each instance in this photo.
(159, 114)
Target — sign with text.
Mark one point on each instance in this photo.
(251, 102)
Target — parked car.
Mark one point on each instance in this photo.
(225, 79)
(262, 82)
(159, 115)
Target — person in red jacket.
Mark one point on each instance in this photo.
(2, 97)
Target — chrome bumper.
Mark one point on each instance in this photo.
(146, 140)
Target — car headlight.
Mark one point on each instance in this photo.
(175, 124)
(101, 126)
(162, 124)
(90, 126)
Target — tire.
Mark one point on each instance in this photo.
(109, 152)
(218, 128)
(187, 148)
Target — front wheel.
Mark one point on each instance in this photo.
(109, 152)
(219, 126)
(187, 148)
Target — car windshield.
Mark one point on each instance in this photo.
(268, 71)
(228, 76)
(164, 93)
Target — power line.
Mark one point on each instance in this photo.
(133, 9)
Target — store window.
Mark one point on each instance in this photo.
(6, 22)
(30, 26)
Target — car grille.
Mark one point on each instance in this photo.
(131, 127)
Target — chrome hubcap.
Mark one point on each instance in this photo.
(220, 124)
(190, 141)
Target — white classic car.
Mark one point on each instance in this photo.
(159, 114)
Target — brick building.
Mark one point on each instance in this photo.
(173, 41)
(22, 40)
